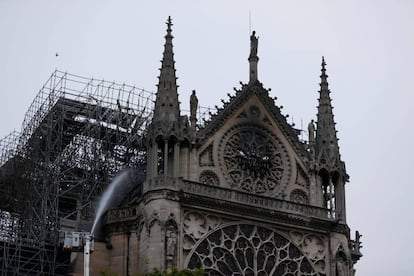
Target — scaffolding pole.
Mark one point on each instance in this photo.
(77, 134)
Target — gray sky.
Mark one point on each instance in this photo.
(368, 45)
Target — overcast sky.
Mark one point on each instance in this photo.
(368, 46)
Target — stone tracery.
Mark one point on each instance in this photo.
(299, 196)
(246, 249)
(209, 177)
(254, 160)
(195, 225)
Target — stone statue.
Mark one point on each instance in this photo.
(254, 41)
(193, 105)
(341, 267)
(311, 130)
(171, 244)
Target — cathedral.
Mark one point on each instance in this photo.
(240, 194)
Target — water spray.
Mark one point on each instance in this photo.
(107, 197)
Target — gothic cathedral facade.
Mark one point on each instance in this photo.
(238, 195)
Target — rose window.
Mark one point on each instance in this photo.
(255, 161)
(244, 249)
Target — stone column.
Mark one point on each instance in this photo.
(176, 159)
(340, 200)
(166, 157)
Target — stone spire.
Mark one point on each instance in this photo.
(166, 104)
(326, 142)
(253, 58)
(168, 129)
(327, 157)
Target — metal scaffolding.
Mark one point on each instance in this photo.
(77, 134)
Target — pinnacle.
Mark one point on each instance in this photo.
(326, 139)
(169, 25)
(323, 64)
(167, 104)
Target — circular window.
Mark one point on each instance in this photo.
(254, 160)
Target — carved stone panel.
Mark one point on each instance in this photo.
(206, 157)
(301, 178)
(209, 177)
(314, 247)
(299, 196)
(254, 111)
(195, 226)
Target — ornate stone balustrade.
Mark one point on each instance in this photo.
(219, 193)
(225, 194)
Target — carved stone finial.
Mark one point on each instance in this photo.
(169, 25)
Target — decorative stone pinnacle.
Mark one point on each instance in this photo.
(166, 103)
(169, 25)
(327, 148)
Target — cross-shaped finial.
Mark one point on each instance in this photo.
(169, 24)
